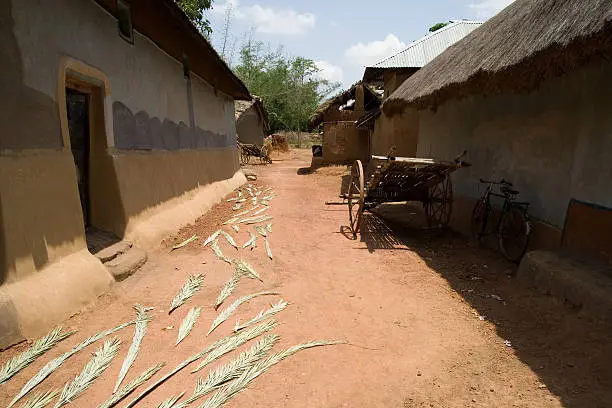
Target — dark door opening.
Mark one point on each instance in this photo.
(77, 107)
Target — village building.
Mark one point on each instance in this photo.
(116, 116)
(401, 130)
(251, 121)
(528, 96)
(343, 142)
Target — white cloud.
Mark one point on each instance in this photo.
(484, 9)
(269, 20)
(369, 53)
(329, 71)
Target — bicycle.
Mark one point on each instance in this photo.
(513, 226)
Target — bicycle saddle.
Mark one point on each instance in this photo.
(508, 190)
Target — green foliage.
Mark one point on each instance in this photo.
(288, 86)
(194, 9)
(438, 26)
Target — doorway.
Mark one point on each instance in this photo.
(77, 108)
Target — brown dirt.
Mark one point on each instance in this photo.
(407, 300)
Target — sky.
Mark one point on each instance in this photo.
(341, 36)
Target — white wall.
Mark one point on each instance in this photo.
(142, 76)
(554, 143)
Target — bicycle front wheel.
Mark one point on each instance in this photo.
(478, 219)
(514, 231)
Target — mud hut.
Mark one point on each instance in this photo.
(389, 73)
(118, 117)
(343, 142)
(528, 96)
(251, 121)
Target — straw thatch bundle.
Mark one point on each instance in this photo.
(317, 117)
(526, 43)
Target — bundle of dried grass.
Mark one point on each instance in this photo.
(185, 242)
(188, 323)
(225, 394)
(226, 313)
(94, 368)
(142, 319)
(40, 347)
(227, 290)
(268, 250)
(261, 230)
(255, 220)
(234, 342)
(217, 250)
(250, 242)
(41, 400)
(245, 269)
(169, 403)
(193, 284)
(229, 239)
(227, 372)
(236, 339)
(259, 211)
(213, 236)
(128, 389)
(263, 315)
(54, 364)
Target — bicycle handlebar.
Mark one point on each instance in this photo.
(501, 182)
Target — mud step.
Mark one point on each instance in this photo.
(581, 283)
(127, 263)
(111, 252)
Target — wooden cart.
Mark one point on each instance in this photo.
(398, 179)
(252, 150)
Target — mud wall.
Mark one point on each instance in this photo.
(401, 131)
(158, 134)
(554, 143)
(344, 143)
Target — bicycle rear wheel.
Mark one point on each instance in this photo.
(478, 219)
(514, 231)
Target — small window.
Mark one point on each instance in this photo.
(124, 18)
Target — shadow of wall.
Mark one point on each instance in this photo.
(40, 216)
(153, 163)
(565, 347)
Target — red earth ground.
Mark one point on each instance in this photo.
(414, 306)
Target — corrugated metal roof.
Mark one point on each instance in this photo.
(418, 53)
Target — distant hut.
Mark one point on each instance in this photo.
(343, 142)
(528, 96)
(251, 121)
(391, 72)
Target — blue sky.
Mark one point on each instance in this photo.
(341, 36)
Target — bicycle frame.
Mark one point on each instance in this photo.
(508, 203)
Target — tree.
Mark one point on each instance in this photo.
(288, 86)
(194, 9)
(438, 26)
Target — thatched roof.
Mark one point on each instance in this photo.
(242, 106)
(420, 52)
(527, 42)
(317, 117)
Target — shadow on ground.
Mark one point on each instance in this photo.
(570, 351)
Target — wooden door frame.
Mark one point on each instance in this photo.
(78, 75)
(84, 78)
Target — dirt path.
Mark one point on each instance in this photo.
(407, 301)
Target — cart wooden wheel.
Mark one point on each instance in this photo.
(244, 156)
(439, 204)
(355, 195)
